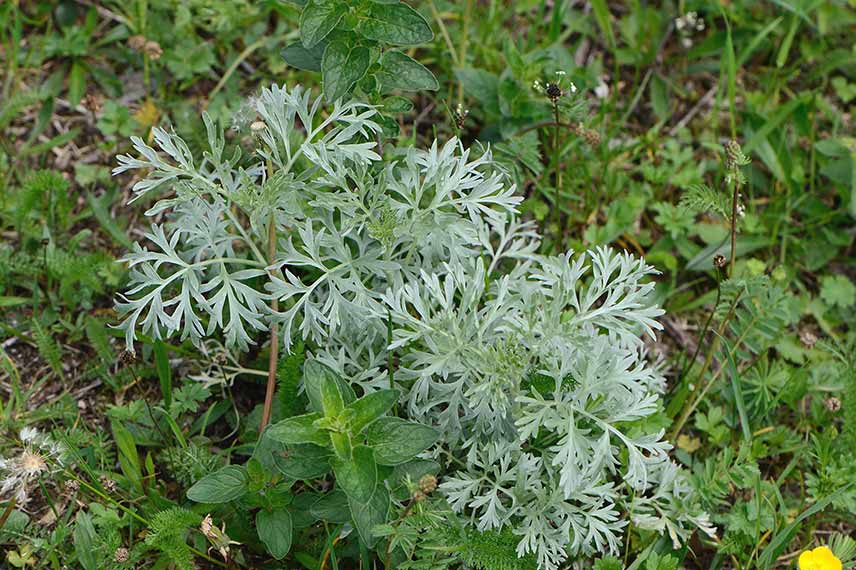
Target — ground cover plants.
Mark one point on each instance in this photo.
(484, 285)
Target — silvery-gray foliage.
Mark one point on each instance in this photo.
(531, 366)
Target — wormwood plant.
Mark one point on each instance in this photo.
(415, 288)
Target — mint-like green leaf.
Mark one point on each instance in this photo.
(332, 402)
(227, 484)
(395, 24)
(299, 429)
(400, 71)
(314, 374)
(370, 407)
(275, 531)
(357, 476)
(368, 514)
(304, 462)
(395, 441)
(298, 56)
(341, 67)
(332, 507)
(318, 19)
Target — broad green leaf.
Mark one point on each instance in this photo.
(397, 24)
(222, 486)
(332, 507)
(76, 83)
(298, 56)
(303, 462)
(396, 441)
(319, 19)
(314, 374)
(341, 67)
(332, 402)
(396, 104)
(368, 514)
(357, 476)
(85, 539)
(299, 429)
(482, 85)
(275, 530)
(267, 450)
(301, 510)
(370, 407)
(400, 71)
(129, 459)
(164, 372)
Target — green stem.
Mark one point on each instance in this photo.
(691, 405)
(10, 506)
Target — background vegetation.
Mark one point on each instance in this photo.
(630, 148)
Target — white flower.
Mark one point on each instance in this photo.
(29, 434)
(40, 457)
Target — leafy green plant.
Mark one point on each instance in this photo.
(345, 41)
(529, 367)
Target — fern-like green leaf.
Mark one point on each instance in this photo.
(288, 377)
(167, 534)
(702, 199)
(48, 347)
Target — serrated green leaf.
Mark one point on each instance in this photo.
(299, 429)
(341, 67)
(357, 476)
(400, 71)
(275, 531)
(397, 24)
(222, 486)
(837, 290)
(318, 19)
(396, 441)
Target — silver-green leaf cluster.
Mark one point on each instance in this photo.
(531, 367)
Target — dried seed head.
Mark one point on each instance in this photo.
(121, 555)
(719, 260)
(428, 484)
(808, 338)
(832, 404)
(137, 42)
(590, 136)
(258, 126)
(218, 538)
(418, 497)
(153, 49)
(93, 102)
(108, 484)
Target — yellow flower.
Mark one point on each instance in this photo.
(821, 558)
